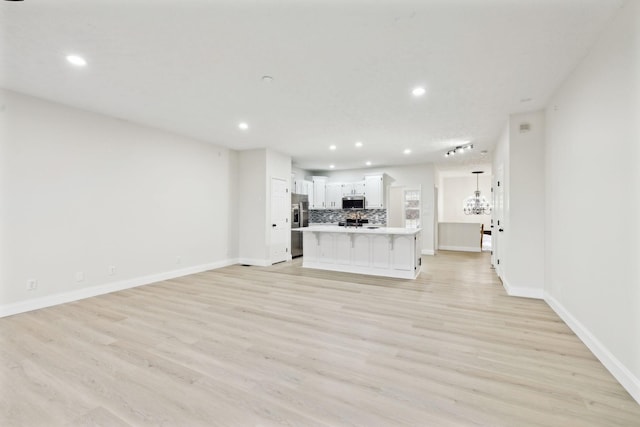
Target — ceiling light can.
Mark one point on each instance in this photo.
(76, 60)
(418, 91)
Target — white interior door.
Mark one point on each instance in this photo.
(280, 226)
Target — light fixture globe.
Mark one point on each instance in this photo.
(476, 204)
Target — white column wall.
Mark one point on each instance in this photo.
(256, 168)
(252, 207)
(524, 227)
(520, 247)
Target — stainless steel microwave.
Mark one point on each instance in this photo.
(353, 202)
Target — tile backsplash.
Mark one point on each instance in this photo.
(375, 216)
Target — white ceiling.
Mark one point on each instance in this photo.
(342, 70)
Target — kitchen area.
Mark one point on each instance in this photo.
(344, 226)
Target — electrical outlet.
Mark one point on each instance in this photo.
(178, 260)
(79, 276)
(112, 270)
(32, 284)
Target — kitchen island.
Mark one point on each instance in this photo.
(379, 251)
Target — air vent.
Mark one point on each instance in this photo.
(525, 127)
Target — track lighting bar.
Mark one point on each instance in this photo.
(459, 150)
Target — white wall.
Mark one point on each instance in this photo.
(252, 213)
(81, 192)
(524, 223)
(422, 175)
(455, 189)
(593, 199)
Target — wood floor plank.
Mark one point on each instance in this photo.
(283, 345)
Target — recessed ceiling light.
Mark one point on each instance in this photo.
(243, 125)
(332, 147)
(418, 91)
(407, 151)
(76, 60)
(332, 166)
(368, 163)
(358, 144)
(267, 79)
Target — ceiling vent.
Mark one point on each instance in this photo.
(525, 127)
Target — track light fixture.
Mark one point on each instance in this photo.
(459, 150)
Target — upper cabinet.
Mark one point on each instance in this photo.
(302, 186)
(318, 201)
(328, 195)
(353, 188)
(333, 195)
(374, 186)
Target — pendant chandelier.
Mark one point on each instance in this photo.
(476, 204)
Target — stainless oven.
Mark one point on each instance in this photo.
(353, 202)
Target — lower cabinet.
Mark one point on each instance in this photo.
(342, 249)
(402, 253)
(392, 255)
(381, 250)
(360, 252)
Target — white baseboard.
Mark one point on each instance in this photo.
(51, 300)
(385, 272)
(428, 252)
(520, 291)
(254, 261)
(460, 248)
(624, 376)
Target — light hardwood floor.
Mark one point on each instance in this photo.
(282, 345)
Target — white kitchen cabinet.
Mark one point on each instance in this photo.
(302, 186)
(342, 248)
(402, 252)
(333, 195)
(353, 188)
(319, 193)
(374, 191)
(361, 253)
(391, 252)
(381, 245)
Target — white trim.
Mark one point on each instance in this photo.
(256, 262)
(460, 248)
(624, 376)
(519, 291)
(370, 271)
(428, 252)
(51, 300)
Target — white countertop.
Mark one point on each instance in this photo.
(364, 229)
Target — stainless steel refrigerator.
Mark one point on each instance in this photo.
(299, 219)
